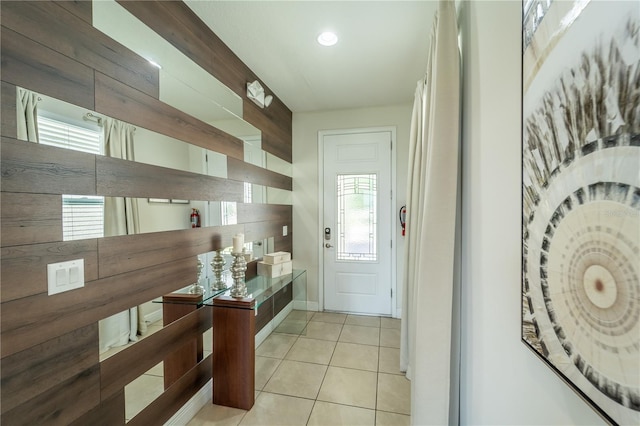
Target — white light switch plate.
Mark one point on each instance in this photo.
(285, 230)
(65, 276)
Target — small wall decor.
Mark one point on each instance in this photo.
(581, 198)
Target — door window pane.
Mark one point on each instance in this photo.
(357, 217)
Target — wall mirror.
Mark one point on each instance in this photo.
(145, 389)
(125, 328)
(86, 216)
(116, 22)
(58, 120)
(142, 391)
(183, 83)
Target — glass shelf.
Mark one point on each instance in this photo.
(259, 288)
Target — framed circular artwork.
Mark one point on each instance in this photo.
(581, 198)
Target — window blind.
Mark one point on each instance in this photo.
(82, 215)
(64, 135)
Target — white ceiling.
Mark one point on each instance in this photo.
(381, 53)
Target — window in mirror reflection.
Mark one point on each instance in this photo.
(82, 216)
(229, 211)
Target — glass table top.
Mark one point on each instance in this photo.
(259, 288)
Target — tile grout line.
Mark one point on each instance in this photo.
(324, 376)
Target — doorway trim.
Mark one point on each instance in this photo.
(395, 311)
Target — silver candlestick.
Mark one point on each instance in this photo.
(217, 266)
(238, 267)
(196, 288)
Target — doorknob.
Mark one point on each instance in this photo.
(328, 245)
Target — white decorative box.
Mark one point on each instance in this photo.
(274, 270)
(277, 257)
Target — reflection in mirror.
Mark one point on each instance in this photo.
(116, 22)
(142, 391)
(278, 165)
(88, 216)
(175, 92)
(121, 330)
(68, 126)
(183, 83)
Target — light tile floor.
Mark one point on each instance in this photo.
(339, 370)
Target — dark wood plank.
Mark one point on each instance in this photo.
(165, 406)
(24, 268)
(248, 212)
(275, 124)
(30, 218)
(122, 368)
(81, 8)
(207, 50)
(197, 41)
(246, 172)
(122, 178)
(54, 27)
(282, 298)
(259, 230)
(183, 359)
(35, 319)
(60, 405)
(264, 315)
(36, 168)
(130, 252)
(8, 117)
(42, 367)
(35, 67)
(252, 269)
(120, 101)
(233, 357)
(110, 412)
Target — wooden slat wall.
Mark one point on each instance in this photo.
(207, 50)
(51, 373)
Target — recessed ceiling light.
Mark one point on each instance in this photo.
(327, 38)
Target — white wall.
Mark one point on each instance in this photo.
(502, 381)
(305, 179)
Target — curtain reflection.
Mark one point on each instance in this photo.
(120, 218)
(27, 114)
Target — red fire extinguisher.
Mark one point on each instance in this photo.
(195, 218)
(403, 218)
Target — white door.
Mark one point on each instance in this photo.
(357, 222)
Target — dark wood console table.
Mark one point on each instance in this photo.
(234, 352)
(234, 330)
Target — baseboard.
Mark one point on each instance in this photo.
(313, 306)
(273, 324)
(154, 316)
(300, 305)
(263, 334)
(191, 408)
(398, 313)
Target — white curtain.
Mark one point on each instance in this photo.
(27, 115)
(426, 333)
(120, 218)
